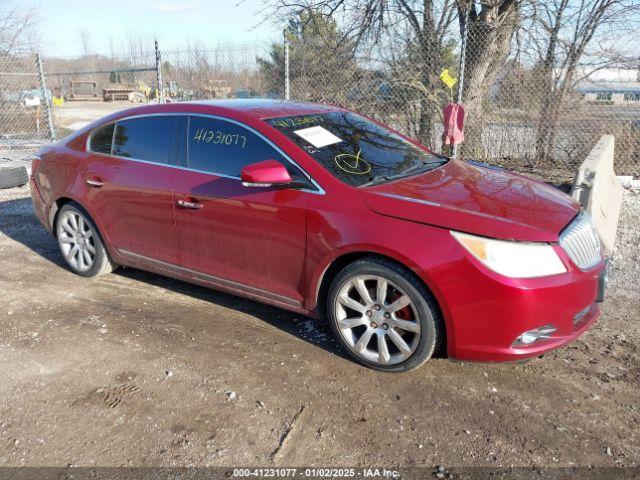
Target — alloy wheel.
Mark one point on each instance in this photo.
(377, 319)
(77, 241)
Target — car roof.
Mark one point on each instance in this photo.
(266, 108)
(240, 109)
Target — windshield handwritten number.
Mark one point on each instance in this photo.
(296, 121)
(309, 149)
(353, 164)
(219, 138)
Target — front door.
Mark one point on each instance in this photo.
(245, 238)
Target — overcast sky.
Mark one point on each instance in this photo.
(172, 21)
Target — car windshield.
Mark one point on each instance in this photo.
(356, 150)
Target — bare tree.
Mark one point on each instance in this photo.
(491, 26)
(112, 47)
(137, 46)
(420, 27)
(566, 29)
(427, 25)
(85, 41)
(17, 29)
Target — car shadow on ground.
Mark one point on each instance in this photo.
(311, 330)
(18, 222)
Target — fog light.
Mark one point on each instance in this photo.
(531, 336)
(578, 317)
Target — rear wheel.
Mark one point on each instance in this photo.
(80, 242)
(383, 316)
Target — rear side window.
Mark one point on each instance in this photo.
(223, 148)
(101, 139)
(147, 138)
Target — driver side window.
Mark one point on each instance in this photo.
(224, 148)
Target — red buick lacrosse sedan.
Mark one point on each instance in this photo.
(324, 212)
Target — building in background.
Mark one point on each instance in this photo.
(612, 85)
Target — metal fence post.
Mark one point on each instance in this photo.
(45, 98)
(463, 54)
(159, 73)
(287, 90)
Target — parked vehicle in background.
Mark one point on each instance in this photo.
(323, 212)
(33, 97)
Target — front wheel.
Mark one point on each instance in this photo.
(383, 315)
(80, 242)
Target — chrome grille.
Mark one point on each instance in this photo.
(581, 242)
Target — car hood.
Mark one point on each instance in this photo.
(478, 200)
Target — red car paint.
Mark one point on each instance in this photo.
(278, 245)
(268, 171)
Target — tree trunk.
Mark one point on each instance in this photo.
(425, 126)
(488, 46)
(549, 111)
(431, 59)
(547, 124)
(428, 105)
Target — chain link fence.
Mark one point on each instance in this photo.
(198, 72)
(517, 120)
(23, 121)
(92, 86)
(516, 117)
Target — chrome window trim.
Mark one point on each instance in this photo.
(113, 137)
(319, 191)
(408, 199)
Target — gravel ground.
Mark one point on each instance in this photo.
(625, 275)
(133, 369)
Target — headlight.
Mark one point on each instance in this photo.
(513, 259)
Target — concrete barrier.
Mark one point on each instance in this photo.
(13, 173)
(599, 191)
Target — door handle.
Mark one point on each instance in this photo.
(190, 205)
(92, 182)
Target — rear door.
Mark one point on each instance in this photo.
(245, 238)
(129, 182)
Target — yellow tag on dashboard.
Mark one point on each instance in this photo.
(447, 79)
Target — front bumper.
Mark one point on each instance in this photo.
(485, 313)
(558, 339)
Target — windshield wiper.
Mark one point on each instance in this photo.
(412, 168)
(375, 180)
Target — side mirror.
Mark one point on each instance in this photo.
(268, 173)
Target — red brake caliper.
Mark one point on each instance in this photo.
(403, 314)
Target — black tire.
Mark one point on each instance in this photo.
(102, 263)
(431, 333)
(13, 177)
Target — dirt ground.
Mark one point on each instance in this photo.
(133, 369)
